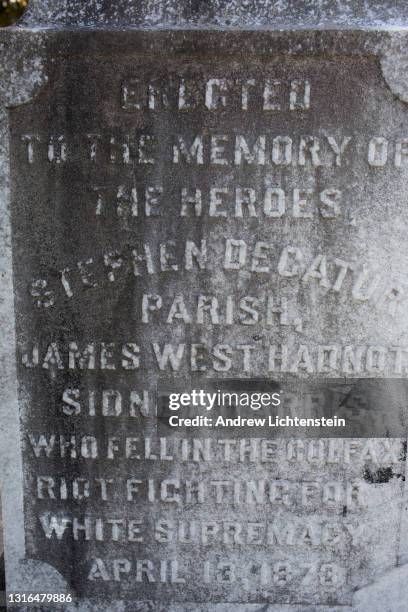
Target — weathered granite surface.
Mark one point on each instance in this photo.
(147, 175)
(220, 13)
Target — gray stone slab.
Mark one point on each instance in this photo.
(256, 182)
(220, 13)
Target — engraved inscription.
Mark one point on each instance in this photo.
(207, 218)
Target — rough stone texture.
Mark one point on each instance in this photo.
(71, 82)
(219, 13)
(21, 79)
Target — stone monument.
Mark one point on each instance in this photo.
(200, 191)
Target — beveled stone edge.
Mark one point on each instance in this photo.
(21, 78)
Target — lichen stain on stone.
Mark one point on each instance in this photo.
(380, 476)
(403, 455)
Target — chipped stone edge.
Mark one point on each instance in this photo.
(394, 64)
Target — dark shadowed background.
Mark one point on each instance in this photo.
(11, 10)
